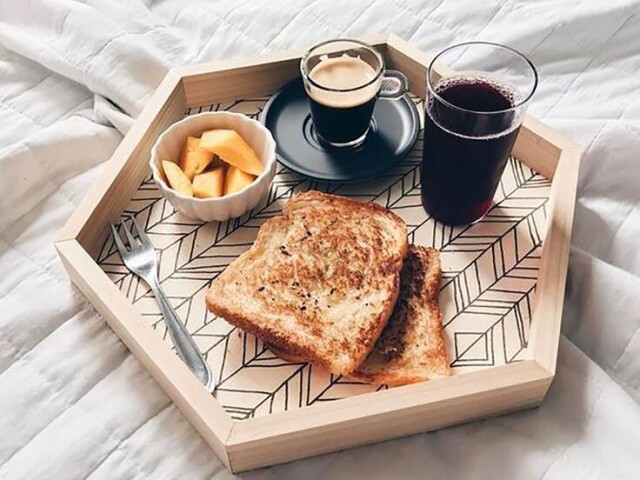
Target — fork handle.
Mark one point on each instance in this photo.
(185, 346)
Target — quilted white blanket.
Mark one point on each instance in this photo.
(75, 404)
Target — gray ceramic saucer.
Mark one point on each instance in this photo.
(394, 130)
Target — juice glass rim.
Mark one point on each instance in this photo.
(522, 102)
(371, 48)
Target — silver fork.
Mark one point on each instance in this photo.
(140, 258)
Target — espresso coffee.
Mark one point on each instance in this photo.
(342, 95)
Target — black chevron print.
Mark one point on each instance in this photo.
(489, 268)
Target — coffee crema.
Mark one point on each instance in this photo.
(342, 73)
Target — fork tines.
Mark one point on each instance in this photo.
(132, 241)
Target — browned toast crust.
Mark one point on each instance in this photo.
(290, 351)
(420, 287)
(320, 281)
(411, 348)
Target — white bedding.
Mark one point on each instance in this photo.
(75, 404)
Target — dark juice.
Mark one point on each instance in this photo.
(470, 129)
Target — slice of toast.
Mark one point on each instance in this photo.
(411, 347)
(319, 282)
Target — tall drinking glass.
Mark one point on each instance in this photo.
(475, 106)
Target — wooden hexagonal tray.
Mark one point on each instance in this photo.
(502, 293)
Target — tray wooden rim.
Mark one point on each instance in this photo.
(365, 418)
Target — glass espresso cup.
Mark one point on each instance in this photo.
(473, 114)
(343, 79)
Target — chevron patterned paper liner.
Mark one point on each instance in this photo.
(490, 271)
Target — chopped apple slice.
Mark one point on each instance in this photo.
(231, 148)
(194, 159)
(177, 179)
(209, 184)
(235, 180)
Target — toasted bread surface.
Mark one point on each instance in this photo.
(319, 282)
(411, 348)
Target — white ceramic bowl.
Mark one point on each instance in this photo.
(169, 145)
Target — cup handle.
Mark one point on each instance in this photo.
(394, 84)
